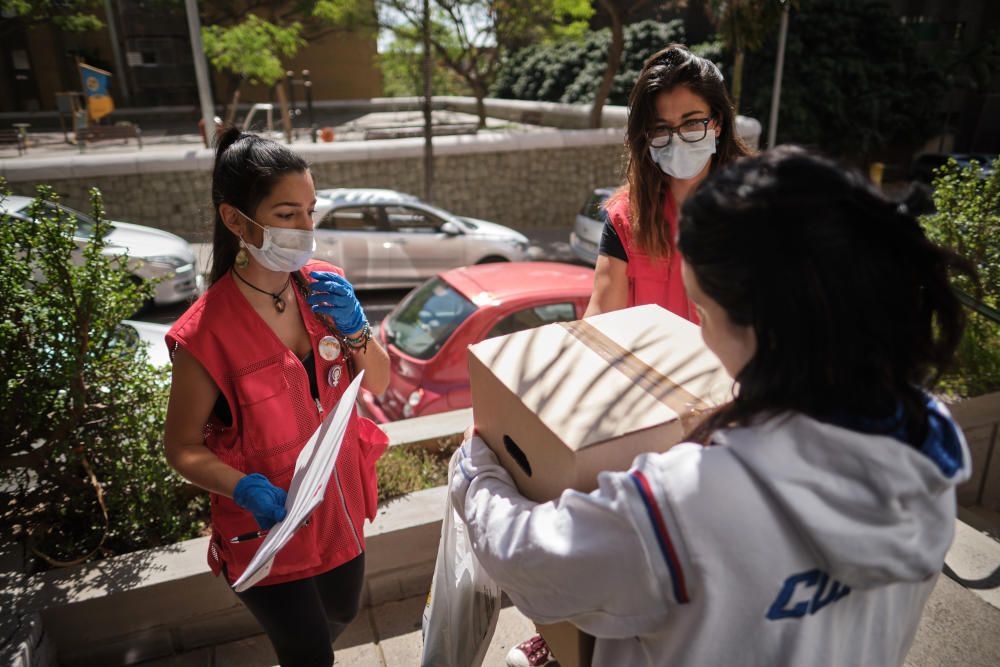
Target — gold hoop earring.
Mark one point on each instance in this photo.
(242, 258)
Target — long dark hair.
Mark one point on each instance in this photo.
(246, 169)
(663, 71)
(850, 302)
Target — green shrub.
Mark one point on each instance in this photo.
(403, 470)
(570, 72)
(855, 82)
(967, 219)
(82, 472)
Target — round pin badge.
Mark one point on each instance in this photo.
(329, 348)
(333, 376)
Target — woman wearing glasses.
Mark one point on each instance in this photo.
(681, 126)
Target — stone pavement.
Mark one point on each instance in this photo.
(383, 636)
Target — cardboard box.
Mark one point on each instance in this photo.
(560, 403)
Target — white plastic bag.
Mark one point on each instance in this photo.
(464, 603)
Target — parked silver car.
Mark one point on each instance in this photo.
(152, 253)
(384, 238)
(585, 239)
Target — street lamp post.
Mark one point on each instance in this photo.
(201, 71)
(428, 120)
(307, 84)
(779, 67)
(116, 49)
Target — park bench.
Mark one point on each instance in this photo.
(107, 133)
(14, 137)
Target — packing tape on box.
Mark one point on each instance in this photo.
(656, 384)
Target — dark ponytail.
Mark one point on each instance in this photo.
(850, 302)
(246, 169)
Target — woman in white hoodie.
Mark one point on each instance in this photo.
(805, 522)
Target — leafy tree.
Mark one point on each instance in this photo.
(855, 82)
(743, 26)
(265, 32)
(69, 15)
(973, 69)
(469, 37)
(252, 50)
(82, 473)
(967, 219)
(618, 14)
(402, 72)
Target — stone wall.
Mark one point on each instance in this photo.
(523, 180)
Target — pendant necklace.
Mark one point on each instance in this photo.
(279, 303)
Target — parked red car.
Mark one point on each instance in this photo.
(427, 334)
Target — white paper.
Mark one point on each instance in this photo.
(313, 468)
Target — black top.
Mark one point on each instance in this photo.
(611, 245)
(225, 415)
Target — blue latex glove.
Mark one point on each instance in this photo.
(333, 295)
(264, 500)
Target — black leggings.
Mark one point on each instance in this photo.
(303, 618)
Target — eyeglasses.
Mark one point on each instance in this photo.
(689, 131)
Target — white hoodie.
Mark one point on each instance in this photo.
(792, 542)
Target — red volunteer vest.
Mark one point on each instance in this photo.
(653, 280)
(273, 413)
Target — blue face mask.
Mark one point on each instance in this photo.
(683, 160)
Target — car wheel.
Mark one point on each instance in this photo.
(492, 259)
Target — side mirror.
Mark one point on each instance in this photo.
(451, 229)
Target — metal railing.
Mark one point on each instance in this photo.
(977, 306)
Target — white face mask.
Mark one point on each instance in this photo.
(683, 160)
(282, 249)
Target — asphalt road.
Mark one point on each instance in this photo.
(377, 304)
(550, 244)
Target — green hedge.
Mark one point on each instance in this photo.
(967, 219)
(570, 72)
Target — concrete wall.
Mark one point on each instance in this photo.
(524, 180)
(980, 420)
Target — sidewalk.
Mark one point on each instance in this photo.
(352, 127)
(383, 636)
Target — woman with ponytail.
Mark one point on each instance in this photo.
(258, 361)
(806, 521)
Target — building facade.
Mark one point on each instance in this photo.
(146, 46)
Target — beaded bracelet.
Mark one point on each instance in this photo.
(360, 342)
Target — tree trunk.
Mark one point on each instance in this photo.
(614, 62)
(286, 117)
(738, 79)
(231, 112)
(480, 92)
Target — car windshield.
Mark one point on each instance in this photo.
(84, 224)
(594, 208)
(450, 217)
(426, 319)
